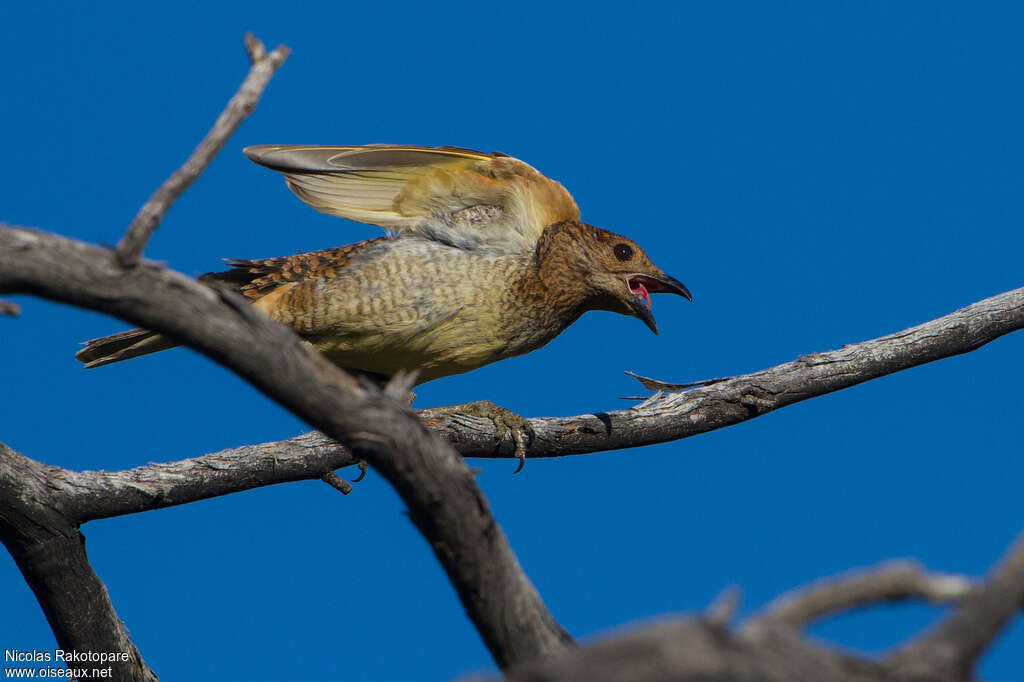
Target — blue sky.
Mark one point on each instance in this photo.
(816, 175)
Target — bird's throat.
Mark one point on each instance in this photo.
(552, 290)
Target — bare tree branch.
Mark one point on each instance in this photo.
(50, 552)
(693, 650)
(958, 641)
(264, 64)
(90, 495)
(681, 415)
(891, 581)
(440, 491)
(337, 482)
(769, 647)
(10, 309)
(723, 607)
(94, 495)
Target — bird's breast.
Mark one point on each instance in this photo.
(423, 306)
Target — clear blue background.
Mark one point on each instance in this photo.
(816, 175)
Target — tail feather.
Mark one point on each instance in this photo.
(122, 346)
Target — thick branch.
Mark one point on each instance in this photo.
(264, 64)
(50, 552)
(442, 496)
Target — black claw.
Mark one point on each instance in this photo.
(362, 471)
(522, 463)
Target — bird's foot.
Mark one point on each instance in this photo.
(506, 423)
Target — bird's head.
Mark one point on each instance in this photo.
(610, 271)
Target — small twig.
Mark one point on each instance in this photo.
(264, 64)
(891, 581)
(722, 608)
(257, 51)
(9, 309)
(337, 482)
(401, 384)
(658, 385)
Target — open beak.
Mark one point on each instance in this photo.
(642, 286)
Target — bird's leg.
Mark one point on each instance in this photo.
(506, 423)
(378, 381)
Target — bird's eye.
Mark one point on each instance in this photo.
(623, 251)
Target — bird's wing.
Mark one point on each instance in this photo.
(458, 196)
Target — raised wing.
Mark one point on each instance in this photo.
(458, 196)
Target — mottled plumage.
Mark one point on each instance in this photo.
(486, 260)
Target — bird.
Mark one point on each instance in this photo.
(484, 258)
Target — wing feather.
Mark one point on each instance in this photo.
(426, 190)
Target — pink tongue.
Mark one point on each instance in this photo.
(641, 292)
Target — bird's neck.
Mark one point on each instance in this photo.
(552, 281)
